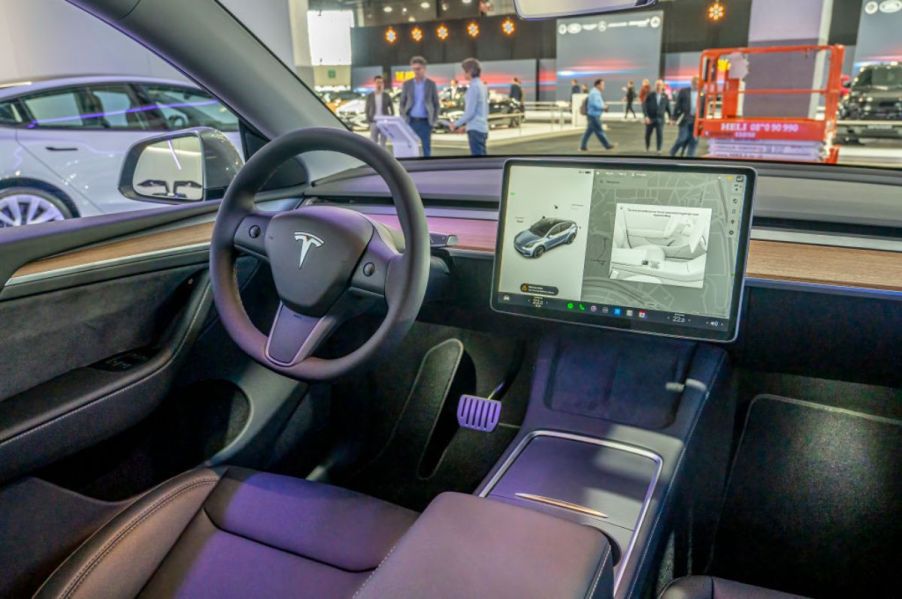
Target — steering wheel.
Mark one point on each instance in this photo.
(328, 263)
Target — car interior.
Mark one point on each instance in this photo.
(337, 374)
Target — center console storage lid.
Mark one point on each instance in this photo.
(466, 546)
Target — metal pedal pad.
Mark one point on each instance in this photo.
(478, 413)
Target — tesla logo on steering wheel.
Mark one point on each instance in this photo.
(307, 241)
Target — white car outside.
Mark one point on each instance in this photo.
(63, 141)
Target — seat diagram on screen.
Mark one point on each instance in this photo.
(667, 245)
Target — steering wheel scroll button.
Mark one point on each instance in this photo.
(254, 231)
(368, 269)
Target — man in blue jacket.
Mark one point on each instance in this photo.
(594, 110)
(476, 108)
(419, 103)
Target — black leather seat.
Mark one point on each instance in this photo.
(709, 587)
(235, 533)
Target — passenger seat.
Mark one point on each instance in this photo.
(709, 587)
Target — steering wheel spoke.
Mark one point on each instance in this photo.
(294, 336)
(250, 236)
(371, 277)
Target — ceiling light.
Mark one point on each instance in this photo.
(387, 8)
(467, 1)
(441, 32)
(716, 11)
(424, 5)
(416, 34)
(391, 36)
(473, 29)
(411, 19)
(508, 27)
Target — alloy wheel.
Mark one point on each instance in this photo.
(27, 209)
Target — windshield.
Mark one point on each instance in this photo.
(542, 227)
(689, 79)
(886, 76)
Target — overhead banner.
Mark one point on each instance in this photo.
(878, 33)
(617, 48)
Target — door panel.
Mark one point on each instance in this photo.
(73, 385)
(53, 333)
(89, 161)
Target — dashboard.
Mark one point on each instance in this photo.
(648, 248)
(804, 279)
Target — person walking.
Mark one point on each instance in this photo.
(476, 108)
(684, 113)
(419, 103)
(378, 103)
(655, 108)
(516, 92)
(594, 109)
(630, 97)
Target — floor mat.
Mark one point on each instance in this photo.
(404, 406)
(814, 501)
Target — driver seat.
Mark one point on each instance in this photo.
(232, 532)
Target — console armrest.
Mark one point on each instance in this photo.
(466, 546)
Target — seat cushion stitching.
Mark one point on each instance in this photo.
(376, 569)
(80, 577)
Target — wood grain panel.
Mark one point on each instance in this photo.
(773, 260)
(472, 234)
(825, 265)
(134, 246)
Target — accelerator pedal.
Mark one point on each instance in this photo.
(478, 413)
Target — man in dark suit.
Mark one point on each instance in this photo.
(419, 103)
(684, 114)
(378, 103)
(516, 92)
(575, 88)
(656, 107)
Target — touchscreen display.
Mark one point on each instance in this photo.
(658, 249)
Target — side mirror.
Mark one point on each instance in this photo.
(186, 166)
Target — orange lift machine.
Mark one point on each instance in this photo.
(731, 134)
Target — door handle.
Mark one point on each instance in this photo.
(62, 149)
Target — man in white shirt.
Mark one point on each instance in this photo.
(378, 103)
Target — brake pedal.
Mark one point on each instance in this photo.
(478, 413)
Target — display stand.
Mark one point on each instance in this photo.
(404, 142)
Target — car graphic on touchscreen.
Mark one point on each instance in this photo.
(544, 235)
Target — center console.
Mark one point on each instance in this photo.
(626, 434)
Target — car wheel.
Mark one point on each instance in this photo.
(539, 251)
(28, 206)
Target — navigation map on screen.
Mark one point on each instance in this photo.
(655, 249)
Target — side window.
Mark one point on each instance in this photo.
(185, 107)
(112, 107)
(57, 109)
(9, 113)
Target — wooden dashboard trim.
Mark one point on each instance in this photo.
(770, 260)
